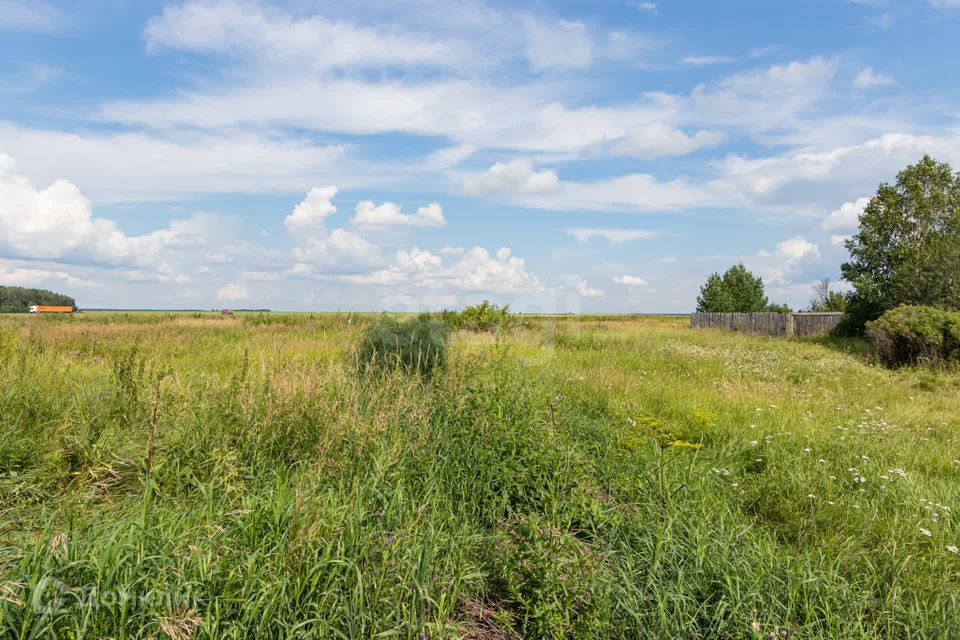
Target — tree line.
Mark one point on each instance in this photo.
(20, 299)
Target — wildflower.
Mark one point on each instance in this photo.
(754, 443)
(806, 450)
(821, 461)
(899, 472)
(684, 443)
(925, 532)
(953, 549)
(810, 495)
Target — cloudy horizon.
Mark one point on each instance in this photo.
(425, 154)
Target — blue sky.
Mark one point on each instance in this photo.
(567, 156)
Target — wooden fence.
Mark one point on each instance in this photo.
(769, 323)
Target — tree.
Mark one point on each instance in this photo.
(824, 300)
(19, 300)
(737, 290)
(907, 250)
(714, 296)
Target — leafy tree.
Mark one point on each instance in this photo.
(19, 299)
(714, 295)
(908, 248)
(737, 290)
(824, 300)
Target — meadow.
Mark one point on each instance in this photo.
(191, 476)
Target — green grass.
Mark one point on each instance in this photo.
(616, 477)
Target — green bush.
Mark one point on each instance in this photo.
(485, 316)
(916, 334)
(415, 345)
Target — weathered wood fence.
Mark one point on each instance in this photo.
(769, 323)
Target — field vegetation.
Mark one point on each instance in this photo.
(191, 476)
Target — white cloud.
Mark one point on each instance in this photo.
(14, 274)
(233, 292)
(705, 60)
(561, 44)
(796, 248)
(846, 217)
(139, 166)
(836, 240)
(249, 29)
(389, 214)
(649, 7)
(867, 79)
(58, 223)
(313, 210)
(630, 281)
(475, 270)
(516, 176)
(337, 251)
(634, 192)
(770, 99)
(587, 291)
(804, 182)
(659, 140)
(30, 15)
(946, 4)
(776, 267)
(614, 236)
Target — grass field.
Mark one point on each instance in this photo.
(186, 475)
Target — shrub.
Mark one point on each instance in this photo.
(415, 345)
(485, 316)
(916, 334)
(553, 581)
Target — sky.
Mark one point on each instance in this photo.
(402, 155)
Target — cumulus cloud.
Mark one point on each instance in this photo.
(57, 222)
(630, 281)
(313, 210)
(389, 214)
(233, 292)
(868, 79)
(846, 217)
(336, 251)
(587, 291)
(614, 236)
(476, 270)
(777, 266)
(516, 176)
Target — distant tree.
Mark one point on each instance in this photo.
(19, 299)
(824, 300)
(736, 290)
(908, 248)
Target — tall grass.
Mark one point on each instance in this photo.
(228, 479)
